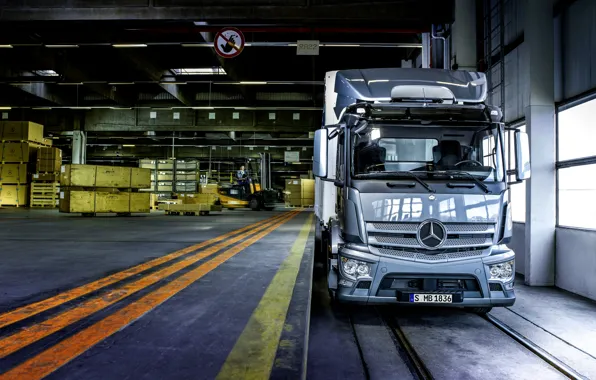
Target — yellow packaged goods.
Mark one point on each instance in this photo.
(210, 188)
(17, 151)
(13, 195)
(21, 131)
(48, 142)
(198, 198)
(300, 192)
(81, 201)
(105, 176)
(49, 160)
(13, 173)
(45, 177)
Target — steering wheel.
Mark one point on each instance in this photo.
(470, 161)
(367, 169)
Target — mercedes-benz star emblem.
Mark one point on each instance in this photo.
(432, 197)
(431, 234)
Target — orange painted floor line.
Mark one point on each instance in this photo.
(32, 334)
(27, 311)
(55, 357)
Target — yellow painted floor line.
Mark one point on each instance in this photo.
(30, 310)
(254, 352)
(55, 357)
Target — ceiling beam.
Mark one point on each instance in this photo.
(107, 127)
(154, 73)
(45, 92)
(409, 14)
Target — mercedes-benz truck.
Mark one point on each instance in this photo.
(411, 197)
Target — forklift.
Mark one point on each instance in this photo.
(251, 191)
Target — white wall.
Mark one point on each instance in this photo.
(576, 261)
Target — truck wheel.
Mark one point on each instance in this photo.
(480, 310)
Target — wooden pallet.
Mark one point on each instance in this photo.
(44, 194)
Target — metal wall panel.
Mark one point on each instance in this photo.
(517, 84)
(579, 48)
(514, 19)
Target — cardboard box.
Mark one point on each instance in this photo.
(81, 201)
(104, 176)
(196, 198)
(13, 173)
(18, 151)
(210, 188)
(13, 195)
(300, 192)
(21, 131)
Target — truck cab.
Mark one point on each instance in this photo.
(412, 190)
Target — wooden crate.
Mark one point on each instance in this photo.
(49, 160)
(186, 209)
(21, 131)
(95, 202)
(194, 198)
(18, 152)
(13, 195)
(105, 176)
(209, 188)
(46, 177)
(13, 173)
(44, 194)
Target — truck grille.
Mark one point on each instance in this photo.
(403, 235)
(428, 257)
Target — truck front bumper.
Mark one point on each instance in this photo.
(396, 281)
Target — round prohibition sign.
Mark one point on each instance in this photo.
(229, 42)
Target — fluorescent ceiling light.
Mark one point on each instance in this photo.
(128, 45)
(42, 108)
(80, 108)
(120, 83)
(5, 108)
(253, 82)
(120, 108)
(62, 46)
(202, 44)
(340, 45)
(200, 71)
(128, 145)
(5, 46)
(203, 108)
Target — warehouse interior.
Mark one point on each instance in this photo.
(158, 202)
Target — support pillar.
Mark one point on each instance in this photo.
(425, 63)
(463, 36)
(79, 147)
(540, 125)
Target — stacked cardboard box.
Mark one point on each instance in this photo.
(300, 192)
(91, 189)
(20, 142)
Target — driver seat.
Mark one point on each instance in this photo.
(367, 155)
(447, 153)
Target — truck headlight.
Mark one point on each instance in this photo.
(501, 271)
(354, 268)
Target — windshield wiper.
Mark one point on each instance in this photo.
(468, 175)
(406, 173)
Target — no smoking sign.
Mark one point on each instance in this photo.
(229, 42)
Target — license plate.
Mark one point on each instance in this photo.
(431, 298)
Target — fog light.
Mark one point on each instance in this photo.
(354, 268)
(509, 285)
(346, 283)
(501, 271)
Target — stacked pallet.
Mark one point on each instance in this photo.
(45, 182)
(20, 142)
(93, 189)
(300, 192)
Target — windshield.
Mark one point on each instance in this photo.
(428, 152)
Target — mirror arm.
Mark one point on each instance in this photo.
(336, 182)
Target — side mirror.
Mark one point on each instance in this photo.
(320, 153)
(522, 156)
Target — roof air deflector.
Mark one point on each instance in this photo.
(423, 94)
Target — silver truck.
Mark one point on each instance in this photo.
(412, 189)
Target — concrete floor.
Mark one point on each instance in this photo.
(250, 307)
(195, 333)
(352, 342)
